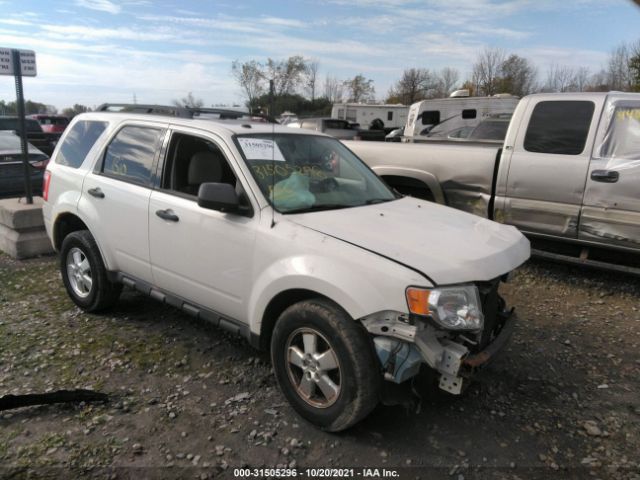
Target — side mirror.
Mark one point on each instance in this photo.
(218, 196)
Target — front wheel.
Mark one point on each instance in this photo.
(325, 364)
(84, 274)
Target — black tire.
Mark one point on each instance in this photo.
(101, 293)
(358, 374)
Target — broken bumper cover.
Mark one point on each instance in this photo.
(458, 364)
(478, 360)
(402, 348)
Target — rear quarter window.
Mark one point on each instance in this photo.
(79, 140)
(559, 127)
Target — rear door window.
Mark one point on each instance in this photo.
(131, 155)
(622, 139)
(559, 127)
(80, 139)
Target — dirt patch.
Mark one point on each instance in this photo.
(191, 401)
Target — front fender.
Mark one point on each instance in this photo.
(360, 292)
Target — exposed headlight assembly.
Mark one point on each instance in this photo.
(454, 308)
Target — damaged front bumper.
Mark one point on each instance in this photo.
(403, 346)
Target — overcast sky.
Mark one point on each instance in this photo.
(94, 51)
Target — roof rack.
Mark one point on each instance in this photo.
(182, 112)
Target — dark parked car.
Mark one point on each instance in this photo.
(395, 135)
(51, 123)
(45, 142)
(12, 169)
(340, 129)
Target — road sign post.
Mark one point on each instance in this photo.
(20, 63)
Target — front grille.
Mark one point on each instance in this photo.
(492, 307)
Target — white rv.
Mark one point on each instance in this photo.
(391, 116)
(454, 117)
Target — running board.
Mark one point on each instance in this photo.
(234, 326)
(585, 262)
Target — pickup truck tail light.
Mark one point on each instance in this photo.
(45, 185)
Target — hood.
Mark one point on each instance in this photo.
(446, 245)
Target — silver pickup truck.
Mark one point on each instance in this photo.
(567, 175)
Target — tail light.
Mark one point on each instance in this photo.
(45, 185)
(41, 165)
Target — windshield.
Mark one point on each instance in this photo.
(298, 173)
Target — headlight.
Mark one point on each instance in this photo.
(454, 308)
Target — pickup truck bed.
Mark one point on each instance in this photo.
(466, 183)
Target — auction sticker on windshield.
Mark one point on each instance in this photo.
(260, 149)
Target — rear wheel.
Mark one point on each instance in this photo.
(84, 274)
(325, 365)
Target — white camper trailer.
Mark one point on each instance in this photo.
(454, 117)
(391, 116)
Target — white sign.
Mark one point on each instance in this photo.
(260, 149)
(27, 62)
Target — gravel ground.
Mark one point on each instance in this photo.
(191, 401)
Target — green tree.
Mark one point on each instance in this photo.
(287, 75)
(294, 103)
(634, 67)
(30, 107)
(360, 89)
(7, 108)
(487, 71)
(75, 110)
(447, 81)
(250, 79)
(416, 84)
(517, 76)
(189, 101)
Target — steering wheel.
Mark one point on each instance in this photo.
(325, 185)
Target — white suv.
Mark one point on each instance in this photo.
(286, 238)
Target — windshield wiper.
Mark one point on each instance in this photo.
(319, 208)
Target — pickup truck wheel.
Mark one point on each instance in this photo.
(325, 364)
(84, 274)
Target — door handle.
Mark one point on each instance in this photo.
(606, 176)
(96, 192)
(167, 215)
